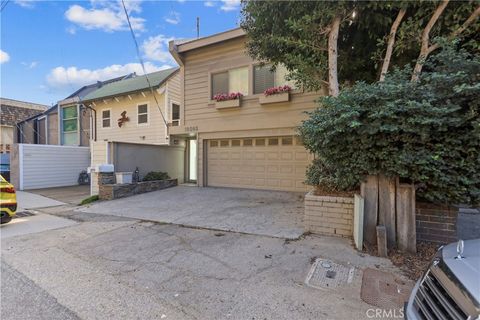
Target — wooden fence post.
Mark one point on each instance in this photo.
(405, 205)
(386, 208)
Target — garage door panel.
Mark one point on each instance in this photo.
(260, 163)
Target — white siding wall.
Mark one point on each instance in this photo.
(46, 166)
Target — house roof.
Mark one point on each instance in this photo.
(186, 45)
(85, 90)
(131, 85)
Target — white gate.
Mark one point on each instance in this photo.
(46, 166)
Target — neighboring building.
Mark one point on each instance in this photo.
(126, 110)
(11, 112)
(251, 144)
(131, 126)
(66, 123)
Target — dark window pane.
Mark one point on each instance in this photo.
(106, 123)
(142, 108)
(219, 83)
(69, 112)
(142, 118)
(273, 142)
(175, 112)
(106, 114)
(70, 125)
(263, 78)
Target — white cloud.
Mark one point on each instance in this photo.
(173, 17)
(230, 5)
(71, 30)
(66, 78)
(106, 15)
(181, 1)
(4, 57)
(209, 4)
(25, 3)
(30, 65)
(156, 48)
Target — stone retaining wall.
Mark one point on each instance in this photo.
(115, 191)
(327, 215)
(436, 223)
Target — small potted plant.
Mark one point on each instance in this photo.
(227, 100)
(276, 94)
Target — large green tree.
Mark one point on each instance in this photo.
(298, 34)
(427, 131)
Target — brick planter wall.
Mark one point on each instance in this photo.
(331, 216)
(115, 191)
(436, 223)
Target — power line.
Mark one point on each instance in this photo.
(4, 4)
(143, 65)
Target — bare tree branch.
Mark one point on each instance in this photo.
(426, 39)
(391, 42)
(474, 16)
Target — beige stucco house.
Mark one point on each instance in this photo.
(248, 143)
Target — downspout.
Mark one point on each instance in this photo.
(94, 127)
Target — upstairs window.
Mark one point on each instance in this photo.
(264, 78)
(142, 112)
(70, 125)
(105, 118)
(175, 114)
(234, 80)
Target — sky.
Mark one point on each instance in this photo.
(49, 49)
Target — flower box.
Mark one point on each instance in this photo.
(275, 98)
(225, 104)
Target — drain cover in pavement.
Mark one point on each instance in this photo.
(384, 290)
(23, 214)
(328, 274)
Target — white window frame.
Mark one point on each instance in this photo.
(61, 126)
(170, 115)
(110, 118)
(148, 114)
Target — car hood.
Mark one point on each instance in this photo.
(467, 270)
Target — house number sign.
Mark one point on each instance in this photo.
(191, 129)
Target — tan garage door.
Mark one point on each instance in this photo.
(273, 163)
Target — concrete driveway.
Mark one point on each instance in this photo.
(271, 213)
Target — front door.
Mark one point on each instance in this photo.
(192, 160)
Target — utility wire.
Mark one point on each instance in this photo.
(143, 65)
(4, 4)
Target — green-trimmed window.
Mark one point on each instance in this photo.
(70, 125)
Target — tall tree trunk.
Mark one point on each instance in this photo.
(426, 39)
(391, 42)
(332, 57)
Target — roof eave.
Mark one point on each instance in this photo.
(133, 91)
(213, 39)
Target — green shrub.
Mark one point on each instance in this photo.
(427, 132)
(156, 175)
(89, 200)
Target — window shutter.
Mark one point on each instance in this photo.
(263, 78)
(219, 83)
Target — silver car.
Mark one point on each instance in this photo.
(450, 288)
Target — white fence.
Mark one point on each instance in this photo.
(46, 166)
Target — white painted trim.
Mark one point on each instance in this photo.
(101, 118)
(20, 164)
(54, 145)
(148, 114)
(107, 152)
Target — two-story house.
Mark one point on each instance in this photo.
(250, 143)
(130, 127)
